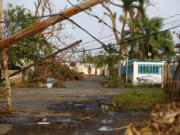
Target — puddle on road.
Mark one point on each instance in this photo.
(87, 118)
(107, 121)
(32, 121)
(105, 128)
(23, 121)
(17, 120)
(75, 106)
(62, 119)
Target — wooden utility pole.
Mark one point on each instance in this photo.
(43, 59)
(50, 21)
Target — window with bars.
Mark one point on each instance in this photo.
(149, 69)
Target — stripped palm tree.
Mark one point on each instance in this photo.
(128, 7)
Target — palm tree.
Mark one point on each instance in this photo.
(152, 45)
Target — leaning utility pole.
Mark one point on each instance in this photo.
(50, 21)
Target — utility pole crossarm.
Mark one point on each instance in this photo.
(48, 22)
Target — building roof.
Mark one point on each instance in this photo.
(144, 60)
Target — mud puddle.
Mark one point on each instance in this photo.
(88, 118)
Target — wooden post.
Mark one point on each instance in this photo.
(127, 65)
(43, 59)
(162, 77)
(7, 80)
(48, 22)
(5, 67)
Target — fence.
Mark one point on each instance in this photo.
(171, 76)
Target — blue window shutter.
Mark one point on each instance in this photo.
(139, 68)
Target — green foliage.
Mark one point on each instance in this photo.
(134, 99)
(159, 45)
(87, 58)
(28, 49)
(110, 58)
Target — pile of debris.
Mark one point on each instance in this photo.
(165, 120)
(55, 69)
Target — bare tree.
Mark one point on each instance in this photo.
(113, 17)
(46, 7)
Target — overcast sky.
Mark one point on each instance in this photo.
(160, 8)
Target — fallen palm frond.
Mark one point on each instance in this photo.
(165, 120)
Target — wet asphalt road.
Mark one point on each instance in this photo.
(78, 101)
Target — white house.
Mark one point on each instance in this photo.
(146, 71)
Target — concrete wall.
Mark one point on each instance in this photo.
(136, 74)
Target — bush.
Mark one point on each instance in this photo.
(133, 99)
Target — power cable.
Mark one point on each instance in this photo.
(45, 16)
(172, 22)
(86, 30)
(132, 40)
(113, 35)
(99, 38)
(128, 39)
(171, 16)
(96, 17)
(98, 44)
(100, 20)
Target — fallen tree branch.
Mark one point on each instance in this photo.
(43, 59)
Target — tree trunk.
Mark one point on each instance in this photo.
(145, 49)
(120, 48)
(7, 81)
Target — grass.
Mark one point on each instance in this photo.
(121, 84)
(142, 99)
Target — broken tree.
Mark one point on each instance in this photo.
(43, 59)
(49, 22)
